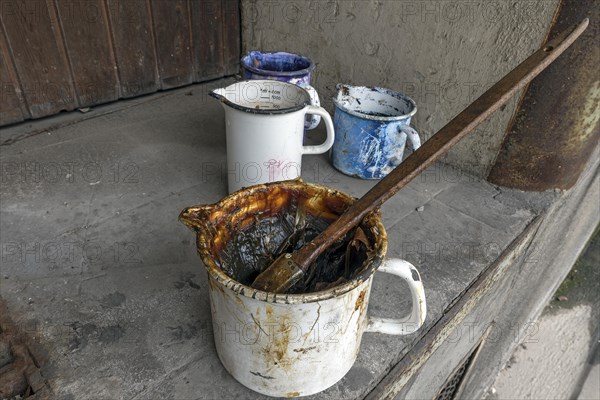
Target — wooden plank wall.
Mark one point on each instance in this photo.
(60, 55)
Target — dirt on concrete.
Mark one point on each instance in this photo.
(20, 377)
(559, 359)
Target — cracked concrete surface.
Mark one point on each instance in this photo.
(549, 365)
(97, 267)
(559, 357)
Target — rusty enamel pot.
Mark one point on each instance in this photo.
(292, 344)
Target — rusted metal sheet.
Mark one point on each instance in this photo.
(61, 55)
(556, 127)
(132, 35)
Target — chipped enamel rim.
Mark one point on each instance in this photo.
(381, 90)
(265, 111)
(372, 221)
(246, 63)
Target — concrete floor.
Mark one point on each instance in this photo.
(590, 389)
(97, 268)
(559, 357)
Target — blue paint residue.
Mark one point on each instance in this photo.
(364, 148)
(284, 67)
(287, 67)
(370, 125)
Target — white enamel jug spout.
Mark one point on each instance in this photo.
(219, 94)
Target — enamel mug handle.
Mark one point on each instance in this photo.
(413, 136)
(312, 121)
(326, 145)
(412, 322)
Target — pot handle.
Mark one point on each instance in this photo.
(312, 121)
(413, 136)
(412, 322)
(326, 145)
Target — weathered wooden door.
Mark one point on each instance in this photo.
(60, 55)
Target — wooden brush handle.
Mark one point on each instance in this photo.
(438, 144)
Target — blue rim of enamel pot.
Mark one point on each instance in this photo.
(246, 62)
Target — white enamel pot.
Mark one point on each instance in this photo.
(290, 345)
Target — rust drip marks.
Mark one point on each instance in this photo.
(360, 302)
(275, 353)
(305, 350)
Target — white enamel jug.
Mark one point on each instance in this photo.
(265, 130)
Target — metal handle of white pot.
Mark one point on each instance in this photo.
(412, 322)
(326, 145)
(413, 136)
(312, 121)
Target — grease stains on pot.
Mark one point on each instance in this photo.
(300, 343)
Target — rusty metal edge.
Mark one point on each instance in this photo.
(521, 100)
(432, 339)
(522, 163)
(26, 352)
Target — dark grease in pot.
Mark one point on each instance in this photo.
(254, 248)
